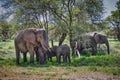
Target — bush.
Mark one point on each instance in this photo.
(1, 47)
(10, 47)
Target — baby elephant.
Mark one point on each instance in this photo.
(63, 50)
(52, 52)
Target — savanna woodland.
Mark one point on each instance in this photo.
(59, 40)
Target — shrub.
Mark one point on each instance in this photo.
(10, 47)
(1, 47)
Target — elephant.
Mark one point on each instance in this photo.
(89, 41)
(63, 50)
(101, 39)
(83, 42)
(52, 52)
(31, 40)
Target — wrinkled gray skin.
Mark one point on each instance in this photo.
(102, 39)
(52, 52)
(31, 40)
(84, 42)
(63, 50)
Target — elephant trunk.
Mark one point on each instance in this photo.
(45, 45)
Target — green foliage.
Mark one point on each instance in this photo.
(1, 47)
(94, 9)
(10, 47)
(6, 30)
(114, 19)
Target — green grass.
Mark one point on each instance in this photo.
(104, 60)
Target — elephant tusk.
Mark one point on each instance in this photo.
(78, 53)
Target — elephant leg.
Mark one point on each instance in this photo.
(17, 53)
(31, 51)
(69, 58)
(73, 52)
(37, 55)
(108, 49)
(41, 56)
(50, 58)
(44, 56)
(64, 58)
(93, 51)
(25, 57)
(58, 58)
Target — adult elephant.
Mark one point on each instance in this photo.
(31, 40)
(82, 42)
(52, 52)
(101, 39)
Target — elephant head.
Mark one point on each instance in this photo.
(30, 39)
(75, 48)
(42, 38)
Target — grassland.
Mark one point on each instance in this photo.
(99, 67)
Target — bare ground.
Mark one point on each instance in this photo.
(53, 73)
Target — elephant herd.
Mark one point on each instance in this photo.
(89, 41)
(35, 41)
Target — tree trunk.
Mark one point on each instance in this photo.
(52, 44)
(118, 31)
(63, 36)
(70, 37)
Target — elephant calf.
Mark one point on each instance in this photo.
(52, 52)
(63, 50)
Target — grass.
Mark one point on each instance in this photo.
(104, 63)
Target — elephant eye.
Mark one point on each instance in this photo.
(40, 37)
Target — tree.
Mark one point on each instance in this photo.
(94, 9)
(73, 15)
(5, 30)
(114, 19)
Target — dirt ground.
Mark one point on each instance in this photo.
(53, 73)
